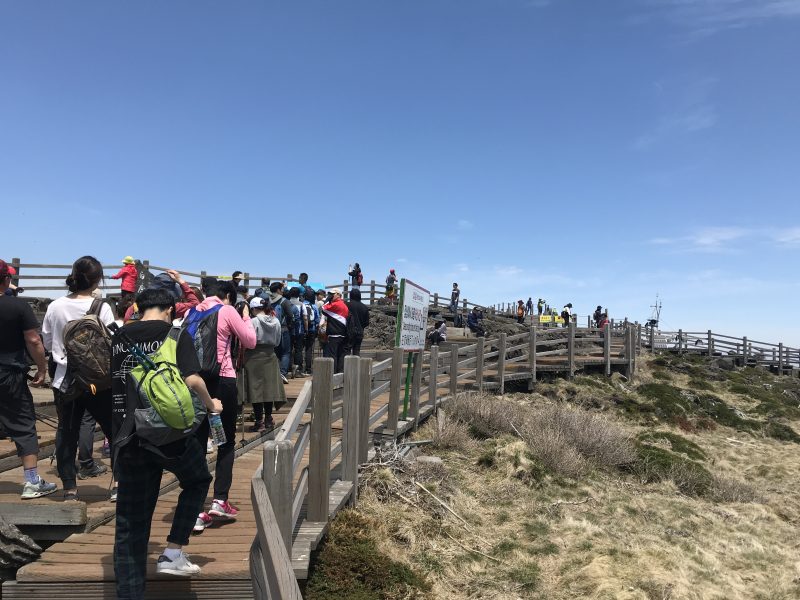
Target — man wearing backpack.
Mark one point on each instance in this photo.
(357, 322)
(283, 311)
(220, 376)
(75, 331)
(18, 333)
(311, 321)
(454, 296)
(139, 457)
(297, 333)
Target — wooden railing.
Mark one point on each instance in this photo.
(311, 466)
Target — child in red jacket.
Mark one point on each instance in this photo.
(128, 274)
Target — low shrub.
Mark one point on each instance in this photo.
(676, 442)
(656, 464)
(486, 416)
(724, 489)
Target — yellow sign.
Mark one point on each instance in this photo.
(550, 319)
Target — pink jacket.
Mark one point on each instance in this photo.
(229, 323)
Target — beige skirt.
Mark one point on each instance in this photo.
(263, 377)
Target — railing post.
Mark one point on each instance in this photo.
(364, 406)
(277, 475)
(454, 369)
(345, 290)
(710, 344)
(393, 415)
(351, 424)
(247, 281)
(532, 353)
(15, 262)
(745, 353)
(464, 305)
(571, 348)
(289, 277)
(680, 341)
(607, 348)
(372, 292)
(780, 358)
(629, 351)
(436, 299)
(501, 363)
(319, 464)
(416, 383)
(652, 340)
(433, 376)
(480, 350)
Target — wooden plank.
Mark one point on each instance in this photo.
(277, 474)
(571, 349)
(364, 406)
(532, 353)
(433, 375)
(296, 414)
(320, 449)
(281, 581)
(351, 416)
(501, 362)
(26, 512)
(394, 388)
(607, 349)
(453, 370)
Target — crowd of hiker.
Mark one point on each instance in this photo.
(164, 373)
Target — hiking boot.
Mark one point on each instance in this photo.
(37, 490)
(203, 521)
(269, 424)
(94, 471)
(257, 426)
(113, 495)
(181, 566)
(222, 509)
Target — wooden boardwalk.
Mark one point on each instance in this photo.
(81, 566)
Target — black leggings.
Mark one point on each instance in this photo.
(70, 417)
(223, 388)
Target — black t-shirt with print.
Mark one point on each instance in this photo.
(148, 335)
(16, 317)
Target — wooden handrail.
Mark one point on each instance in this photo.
(289, 426)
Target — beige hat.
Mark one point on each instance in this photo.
(335, 291)
(128, 260)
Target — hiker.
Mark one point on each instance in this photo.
(598, 312)
(391, 285)
(454, 295)
(129, 275)
(603, 320)
(520, 312)
(264, 386)
(322, 327)
(171, 281)
(263, 291)
(439, 332)
(311, 321)
(474, 319)
(236, 279)
(220, 379)
(88, 466)
(540, 306)
(139, 460)
(297, 332)
(566, 314)
(356, 276)
(303, 280)
(529, 306)
(73, 395)
(283, 310)
(18, 333)
(11, 289)
(357, 322)
(336, 313)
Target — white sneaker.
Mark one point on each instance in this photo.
(37, 490)
(203, 521)
(181, 566)
(209, 447)
(283, 378)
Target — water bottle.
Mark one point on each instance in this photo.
(217, 432)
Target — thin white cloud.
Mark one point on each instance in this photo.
(686, 109)
(702, 18)
(707, 239)
(787, 237)
(464, 225)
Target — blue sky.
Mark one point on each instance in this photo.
(583, 151)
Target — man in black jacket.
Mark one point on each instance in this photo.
(357, 322)
(283, 310)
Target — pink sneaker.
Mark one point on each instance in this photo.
(223, 509)
(203, 521)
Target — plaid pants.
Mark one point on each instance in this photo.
(138, 474)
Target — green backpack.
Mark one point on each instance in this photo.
(169, 410)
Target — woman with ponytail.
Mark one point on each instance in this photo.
(71, 403)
